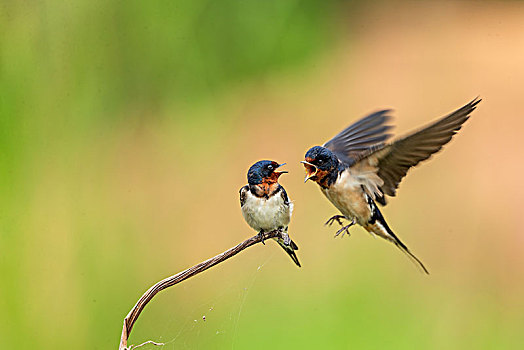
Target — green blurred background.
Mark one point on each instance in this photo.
(127, 129)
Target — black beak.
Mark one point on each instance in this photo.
(281, 172)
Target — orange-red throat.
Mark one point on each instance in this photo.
(273, 178)
(269, 183)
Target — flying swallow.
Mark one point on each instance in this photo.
(359, 167)
(265, 204)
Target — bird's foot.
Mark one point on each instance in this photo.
(261, 235)
(337, 218)
(345, 229)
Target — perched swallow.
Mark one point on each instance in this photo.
(265, 204)
(357, 167)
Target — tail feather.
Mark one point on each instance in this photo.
(410, 255)
(378, 225)
(289, 249)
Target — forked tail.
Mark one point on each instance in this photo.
(378, 226)
(289, 247)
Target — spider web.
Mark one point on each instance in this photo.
(216, 318)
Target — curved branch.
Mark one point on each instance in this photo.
(132, 316)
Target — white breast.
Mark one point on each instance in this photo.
(266, 214)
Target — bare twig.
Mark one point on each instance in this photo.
(132, 316)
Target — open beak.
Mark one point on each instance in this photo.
(280, 172)
(311, 170)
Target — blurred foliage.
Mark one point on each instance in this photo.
(70, 73)
(96, 57)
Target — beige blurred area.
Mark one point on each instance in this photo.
(159, 195)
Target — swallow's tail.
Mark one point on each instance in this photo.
(378, 226)
(289, 247)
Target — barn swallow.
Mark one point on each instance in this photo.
(265, 204)
(358, 167)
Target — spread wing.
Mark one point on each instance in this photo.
(383, 167)
(243, 193)
(359, 137)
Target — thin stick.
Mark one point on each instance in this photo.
(132, 316)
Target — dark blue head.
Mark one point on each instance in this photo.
(264, 171)
(319, 163)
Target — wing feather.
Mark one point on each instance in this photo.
(243, 194)
(360, 136)
(392, 161)
(284, 196)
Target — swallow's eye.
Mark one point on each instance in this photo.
(320, 161)
(270, 167)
